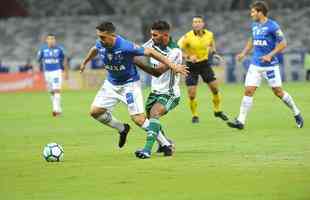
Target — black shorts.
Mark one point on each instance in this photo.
(203, 69)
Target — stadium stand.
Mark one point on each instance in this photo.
(74, 22)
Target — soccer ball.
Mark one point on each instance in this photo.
(53, 152)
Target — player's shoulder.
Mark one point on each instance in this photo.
(60, 47)
(208, 32)
(148, 43)
(123, 42)
(189, 34)
(173, 44)
(273, 24)
(127, 45)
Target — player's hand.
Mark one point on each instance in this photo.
(266, 58)
(178, 68)
(192, 59)
(82, 67)
(240, 56)
(219, 58)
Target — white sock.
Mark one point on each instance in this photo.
(245, 107)
(145, 124)
(107, 119)
(288, 100)
(161, 139)
(57, 102)
(53, 103)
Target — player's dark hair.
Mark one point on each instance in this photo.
(160, 25)
(106, 27)
(260, 6)
(199, 16)
(51, 34)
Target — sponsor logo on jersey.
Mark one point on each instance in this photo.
(260, 42)
(51, 61)
(115, 67)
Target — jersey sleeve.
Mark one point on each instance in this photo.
(135, 50)
(277, 32)
(97, 45)
(181, 42)
(175, 56)
(39, 55)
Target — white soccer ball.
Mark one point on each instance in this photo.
(53, 152)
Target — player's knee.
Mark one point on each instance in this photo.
(249, 93)
(138, 119)
(94, 113)
(278, 93)
(155, 114)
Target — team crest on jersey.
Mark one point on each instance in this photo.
(110, 56)
(279, 33)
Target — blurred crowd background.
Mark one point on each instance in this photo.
(24, 23)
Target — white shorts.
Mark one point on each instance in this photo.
(271, 74)
(130, 94)
(53, 79)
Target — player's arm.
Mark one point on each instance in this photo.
(39, 58)
(178, 68)
(90, 55)
(247, 49)
(150, 70)
(214, 53)
(66, 68)
(280, 46)
(182, 43)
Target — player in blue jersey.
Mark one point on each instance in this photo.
(267, 40)
(52, 59)
(123, 82)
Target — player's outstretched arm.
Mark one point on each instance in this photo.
(153, 71)
(66, 68)
(247, 49)
(91, 54)
(178, 68)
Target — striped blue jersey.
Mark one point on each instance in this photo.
(51, 58)
(118, 60)
(265, 38)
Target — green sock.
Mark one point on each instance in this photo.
(152, 133)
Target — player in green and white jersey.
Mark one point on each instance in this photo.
(165, 91)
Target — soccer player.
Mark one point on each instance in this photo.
(165, 91)
(266, 41)
(198, 46)
(123, 82)
(52, 58)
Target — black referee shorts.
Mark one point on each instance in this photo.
(203, 69)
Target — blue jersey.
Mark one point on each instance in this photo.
(51, 58)
(265, 38)
(118, 60)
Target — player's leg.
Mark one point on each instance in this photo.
(208, 77)
(252, 81)
(161, 107)
(191, 82)
(193, 104)
(133, 98)
(274, 80)
(102, 105)
(162, 139)
(53, 82)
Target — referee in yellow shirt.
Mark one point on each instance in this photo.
(198, 46)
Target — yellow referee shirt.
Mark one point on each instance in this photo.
(197, 45)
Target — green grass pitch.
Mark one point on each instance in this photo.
(269, 160)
